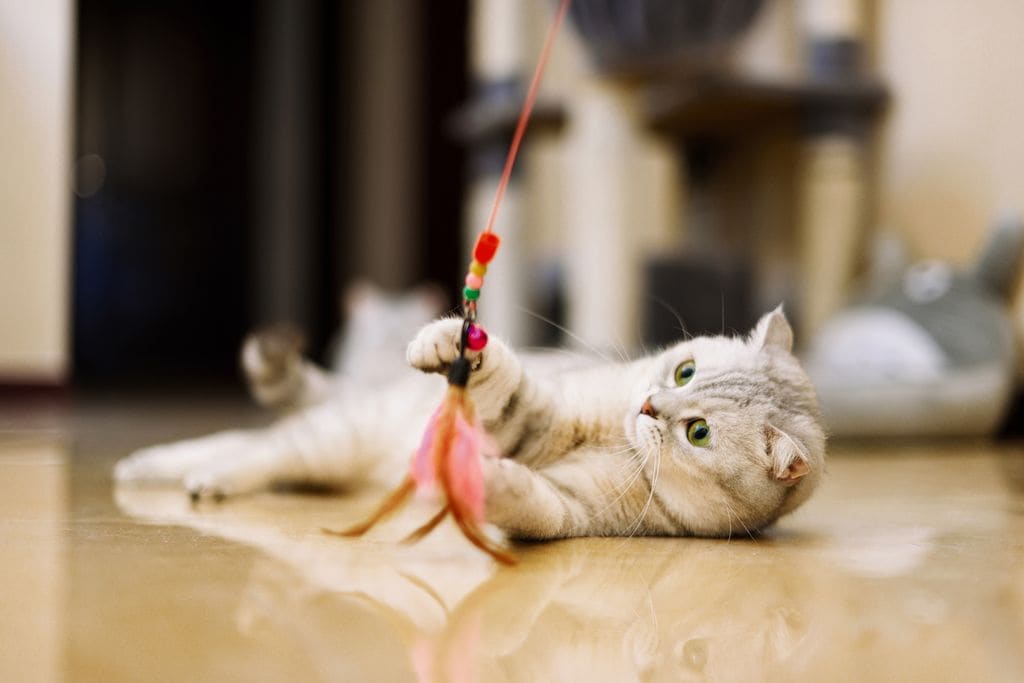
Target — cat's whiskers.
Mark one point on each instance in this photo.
(627, 450)
(620, 445)
(629, 466)
(728, 516)
(564, 330)
(640, 458)
(626, 475)
(630, 479)
(750, 534)
(722, 295)
(675, 313)
(620, 349)
(586, 354)
(732, 512)
(635, 453)
(650, 497)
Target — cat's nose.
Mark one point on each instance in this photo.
(647, 409)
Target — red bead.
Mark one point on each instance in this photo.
(476, 338)
(486, 245)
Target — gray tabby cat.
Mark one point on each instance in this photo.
(711, 437)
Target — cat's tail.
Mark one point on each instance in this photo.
(999, 264)
(278, 375)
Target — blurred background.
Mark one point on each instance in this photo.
(175, 174)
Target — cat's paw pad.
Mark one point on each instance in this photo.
(436, 346)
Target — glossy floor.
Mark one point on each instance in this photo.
(907, 565)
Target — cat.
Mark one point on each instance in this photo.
(710, 437)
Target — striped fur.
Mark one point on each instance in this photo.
(579, 454)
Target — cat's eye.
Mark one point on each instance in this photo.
(684, 372)
(698, 433)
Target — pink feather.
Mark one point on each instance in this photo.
(466, 473)
(464, 464)
(423, 471)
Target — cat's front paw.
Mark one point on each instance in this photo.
(437, 345)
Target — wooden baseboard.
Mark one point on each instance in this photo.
(13, 389)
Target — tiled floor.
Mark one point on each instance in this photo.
(907, 565)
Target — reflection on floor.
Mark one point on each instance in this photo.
(908, 565)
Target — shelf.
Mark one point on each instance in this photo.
(488, 118)
(726, 105)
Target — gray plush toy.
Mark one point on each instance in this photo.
(927, 351)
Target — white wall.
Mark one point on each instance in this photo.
(953, 149)
(35, 198)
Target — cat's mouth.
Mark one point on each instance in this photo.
(639, 420)
(646, 434)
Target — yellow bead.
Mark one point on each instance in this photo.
(477, 268)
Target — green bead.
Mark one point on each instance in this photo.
(470, 294)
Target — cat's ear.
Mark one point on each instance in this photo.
(359, 294)
(430, 299)
(788, 457)
(773, 331)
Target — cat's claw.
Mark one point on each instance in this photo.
(210, 485)
(200, 494)
(436, 346)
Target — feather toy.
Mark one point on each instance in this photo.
(448, 459)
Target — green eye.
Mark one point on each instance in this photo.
(698, 433)
(685, 372)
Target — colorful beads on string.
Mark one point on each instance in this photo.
(486, 244)
(476, 338)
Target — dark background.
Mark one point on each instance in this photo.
(177, 100)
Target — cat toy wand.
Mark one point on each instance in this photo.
(449, 453)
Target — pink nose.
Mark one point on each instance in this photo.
(647, 409)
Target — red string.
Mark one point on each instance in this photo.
(524, 115)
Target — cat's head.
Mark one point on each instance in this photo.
(378, 323)
(732, 429)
